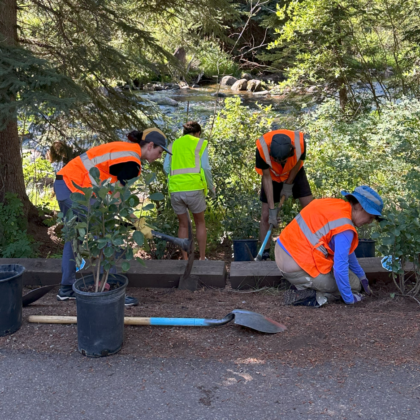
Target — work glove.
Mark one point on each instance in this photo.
(365, 284)
(287, 190)
(272, 217)
(357, 297)
(140, 225)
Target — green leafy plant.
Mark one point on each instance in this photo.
(400, 239)
(243, 218)
(97, 225)
(14, 240)
(38, 176)
(233, 133)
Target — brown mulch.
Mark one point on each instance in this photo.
(379, 328)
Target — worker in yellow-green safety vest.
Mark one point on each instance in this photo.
(189, 177)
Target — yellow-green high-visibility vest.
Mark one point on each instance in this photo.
(186, 172)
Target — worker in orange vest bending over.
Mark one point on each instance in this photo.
(118, 161)
(279, 159)
(316, 250)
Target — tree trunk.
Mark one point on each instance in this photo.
(343, 96)
(11, 170)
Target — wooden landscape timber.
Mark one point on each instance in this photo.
(257, 274)
(155, 273)
(166, 273)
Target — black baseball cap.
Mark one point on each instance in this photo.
(281, 147)
(155, 136)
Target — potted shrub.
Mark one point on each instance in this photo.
(101, 236)
(242, 225)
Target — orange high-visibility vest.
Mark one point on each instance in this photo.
(307, 237)
(101, 157)
(279, 173)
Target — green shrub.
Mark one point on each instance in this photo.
(14, 241)
(377, 149)
(39, 175)
(400, 239)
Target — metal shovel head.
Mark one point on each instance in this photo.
(187, 281)
(257, 322)
(36, 294)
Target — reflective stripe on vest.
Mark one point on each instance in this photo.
(297, 145)
(314, 238)
(91, 163)
(266, 153)
(196, 169)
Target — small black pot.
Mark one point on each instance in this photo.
(100, 317)
(245, 249)
(365, 249)
(10, 298)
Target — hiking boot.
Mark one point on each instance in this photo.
(265, 255)
(66, 293)
(130, 301)
(306, 297)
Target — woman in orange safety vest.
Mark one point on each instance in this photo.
(117, 161)
(315, 252)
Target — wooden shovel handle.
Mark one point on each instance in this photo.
(55, 319)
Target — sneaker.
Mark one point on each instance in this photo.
(265, 255)
(130, 301)
(66, 293)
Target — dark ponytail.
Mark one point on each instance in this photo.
(136, 137)
(192, 127)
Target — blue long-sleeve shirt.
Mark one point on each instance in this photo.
(343, 261)
(205, 164)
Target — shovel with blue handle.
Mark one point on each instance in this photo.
(241, 317)
(270, 229)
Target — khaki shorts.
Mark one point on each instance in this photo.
(183, 201)
(324, 283)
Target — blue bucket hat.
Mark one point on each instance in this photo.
(369, 199)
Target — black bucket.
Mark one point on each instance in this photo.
(365, 249)
(245, 249)
(10, 298)
(100, 317)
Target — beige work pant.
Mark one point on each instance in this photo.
(324, 283)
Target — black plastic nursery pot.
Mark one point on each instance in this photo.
(245, 249)
(100, 317)
(10, 298)
(365, 249)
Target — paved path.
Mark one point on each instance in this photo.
(42, 386)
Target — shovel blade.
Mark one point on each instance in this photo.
(257, 322)
(36, 294)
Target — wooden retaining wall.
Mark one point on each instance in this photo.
(166, 273)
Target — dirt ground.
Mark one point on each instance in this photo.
(379, 328)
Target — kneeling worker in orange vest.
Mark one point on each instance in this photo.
(117, 161)
(316, 250)
(279, 159)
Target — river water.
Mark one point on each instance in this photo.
(193, 104)
(201, 103)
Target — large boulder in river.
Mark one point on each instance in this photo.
(165, 101)
(254, 86)
(228, 81)
(240, 85)
(247, 76)
(161, 100)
